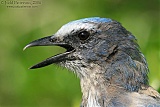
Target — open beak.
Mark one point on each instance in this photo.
(49, 41)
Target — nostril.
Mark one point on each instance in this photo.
(52, 39)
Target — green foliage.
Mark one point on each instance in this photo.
(54, 86)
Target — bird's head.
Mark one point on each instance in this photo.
(95, 45)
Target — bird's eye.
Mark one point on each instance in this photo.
(83, 35)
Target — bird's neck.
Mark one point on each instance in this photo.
(98, 93)
(92, 91)
(126, 74)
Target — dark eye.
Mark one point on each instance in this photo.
(83, 35)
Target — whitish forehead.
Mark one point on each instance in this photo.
(86, 23)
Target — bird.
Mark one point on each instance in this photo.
(106, 58)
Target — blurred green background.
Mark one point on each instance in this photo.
(54, 86)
